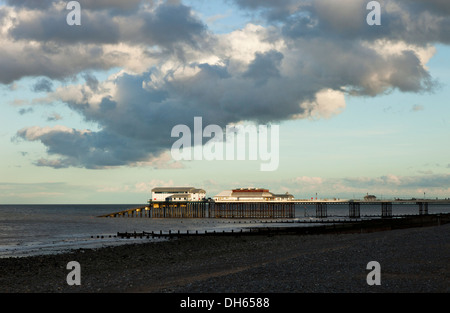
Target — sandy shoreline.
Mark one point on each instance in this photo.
(412, 260)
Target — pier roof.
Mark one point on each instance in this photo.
(178, 189)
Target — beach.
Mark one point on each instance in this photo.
(411, 260)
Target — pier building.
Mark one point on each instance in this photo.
(174, 194)
(251, 194)
(368, 197)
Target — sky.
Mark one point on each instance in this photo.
(87, 111)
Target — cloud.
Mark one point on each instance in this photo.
(85, 4)
(43, 85)
(54, 117)
(416, 21)
(300, 62)
(382, 186)
(42, 192)
(106, 39)
(91, 81)
(272, 10)
(326, 104)
(31, 4)
(169, 24)
(439, 181)
(436, 6)
(148, 186)
(84, 148)
(165, 25)
(417, 107)
(308, 181)
(144, 187)
(25, 111)
(51, 26)
(264, 66)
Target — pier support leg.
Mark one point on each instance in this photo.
(354, 210)
(386, 209)
(321, 210)
(423, 208)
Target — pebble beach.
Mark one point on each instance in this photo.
(413, 260)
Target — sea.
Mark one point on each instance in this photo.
(27, 230)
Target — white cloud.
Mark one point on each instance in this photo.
(147, 186)
(163, 161)
(241, 45)
(35, 132)
(382, 186)
(326, 104)
(417, 107)
(306, 180)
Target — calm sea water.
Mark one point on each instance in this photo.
(42, 229)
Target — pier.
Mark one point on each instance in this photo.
(259, 209)
(210, 209)
(252, 210)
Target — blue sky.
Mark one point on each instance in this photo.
(87, 112)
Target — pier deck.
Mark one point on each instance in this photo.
(209, 209)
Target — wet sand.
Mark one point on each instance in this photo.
(412, 260)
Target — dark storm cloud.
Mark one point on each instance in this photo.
(166, 25)
(413, 21)
(31, 4)
(59, 50)
(410, 76)
(85, 4)
(91, 81)
(51, 25)
(116, 5)
(264, 66)
(68, 62)
(435, 6)
(360, 68)
(272, 10)
(170, 24)
(137, 125)
(84, 149)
